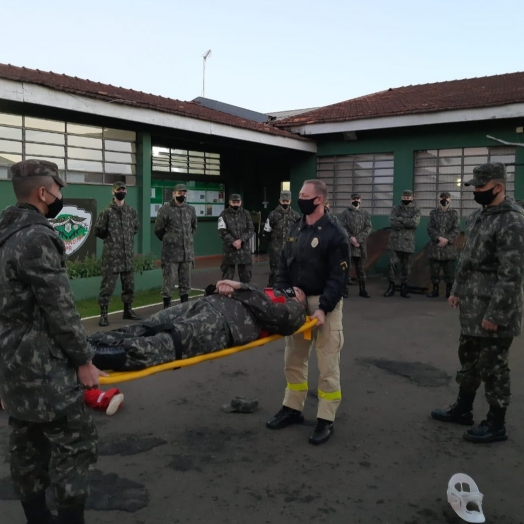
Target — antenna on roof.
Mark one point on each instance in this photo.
(205, 57)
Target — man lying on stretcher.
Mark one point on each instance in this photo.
(231, 314)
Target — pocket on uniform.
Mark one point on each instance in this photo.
(330, 341)
(56, 351)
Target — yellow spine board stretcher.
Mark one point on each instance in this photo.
(124, 376)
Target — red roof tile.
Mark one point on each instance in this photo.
(472, 93)
(133, 98)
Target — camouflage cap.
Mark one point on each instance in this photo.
(407, 192)
(484, 173)
(180, 187)
(119, 185)
(355, 195)
(285, 195)
(445, 194)
(235, 196)
(28, 168)
(241, 405)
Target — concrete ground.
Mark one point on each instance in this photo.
(171, 454)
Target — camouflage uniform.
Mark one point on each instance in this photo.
(404, 221)
(175, 226)
(357, 223)
(443, 223)
(277, 225)
(116, 226)
(42, 343)
(233, 225)
(203, 326)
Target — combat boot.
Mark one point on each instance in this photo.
(322, 432)
(285, 417)
(36, 510)
(493, 429)
(449, 287)
(390, 291)
(167, 302)
(404, 290)
(129, 314)
(435, 292)
(72, 515)
(460, 412)
(184, 298)
(103, 317)
(363, 293)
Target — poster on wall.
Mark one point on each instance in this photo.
(75, 225)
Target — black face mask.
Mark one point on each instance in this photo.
(180, 198)
(284, 206)
(444, 202)
(355, 204)
(406, 202)
(306, 206)
(120, 195)
(236, 208)
(484, 198)
(54, 208)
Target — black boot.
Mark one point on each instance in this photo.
(285, 417)
(449, 287)
(36, 510)
(184, 298)
(322, 432)
(103, 317)
(460, 412)
(404, 290)
(493, 429)
(72, 515)
(129, 314)
(434, 292)
(363, 293)
(390, 290)
(167, 302)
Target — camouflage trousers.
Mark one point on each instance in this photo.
(173, 272)
(328, 341)
(402, 260)
(109, 283)
(56, 454)
(245, 272)
(485, 359)
(358, 264)
(448, 268)
(273, 268)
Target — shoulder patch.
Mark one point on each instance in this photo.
(221, 223)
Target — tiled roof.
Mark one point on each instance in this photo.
(472, 93)
(129, 97)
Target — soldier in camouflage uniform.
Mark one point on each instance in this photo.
(277, 225)
(357, 223)
(235, 228)
(45, 359)
(488, 291)
(404, 219)
(175, 226)
(236, 315)
(443, 229)
(117, 225)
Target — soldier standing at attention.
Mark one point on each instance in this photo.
(404, 219)
(357, 222)
(276, 228)
(235, 228)
(45, 360)
(117, 225)
(488, 291)
(443, 229)
(175, 226)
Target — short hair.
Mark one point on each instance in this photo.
(502, 181)
(320, 187)
(25, 186)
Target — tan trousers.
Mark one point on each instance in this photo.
(328, 340)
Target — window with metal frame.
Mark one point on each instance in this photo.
(83, 154)
(185, 162)
(370, 175)
(438, 170)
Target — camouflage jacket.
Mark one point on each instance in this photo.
(277, 226)
(446, 224)
(490, 274)
(117, 226)
(234, 225)
(175, 226)
(404, 222)
(42, 340)
(357, 223)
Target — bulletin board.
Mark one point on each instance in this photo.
(207, 198)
